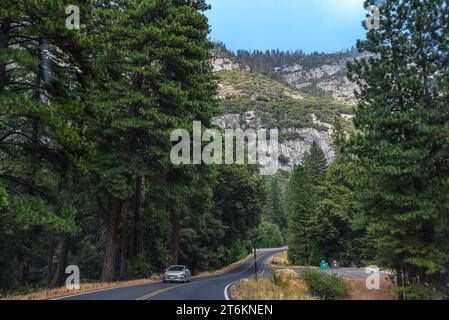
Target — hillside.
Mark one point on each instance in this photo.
(315, 74)
(253, 99)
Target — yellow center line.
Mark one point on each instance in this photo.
(155, 293)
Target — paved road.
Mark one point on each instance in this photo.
(201, 288)
(352, 273)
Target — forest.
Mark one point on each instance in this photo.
(384, 201)
(270, 62)
(85, 123)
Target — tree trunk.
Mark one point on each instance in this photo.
(58, 279)
(4, 39)
(137, 205)
(115, 207)
(124, 251)
(175, 235)
(51, 253)
(25, 273)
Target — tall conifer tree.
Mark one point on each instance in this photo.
(402, 147)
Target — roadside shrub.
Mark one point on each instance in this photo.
(325, 286)
(281, 278)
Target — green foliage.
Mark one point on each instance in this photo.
(279, 279)
(270, 235)
(400, 146)
(301, 206)
(325, 286)
(85, 142)
(239, 250)
(3, 199)
(317, 254)
(277, 104)
(274, 210)
(32, 211)
(88, 257)
(267, 62)
(332, 227)
(418, 292)
(315, 163)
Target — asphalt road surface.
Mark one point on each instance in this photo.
(201, 288)
(349, 273)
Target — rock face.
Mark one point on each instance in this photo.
(294, 150)
(310, 74)
(330, 77)
(291, 151)
(258, 97)
(224, 63)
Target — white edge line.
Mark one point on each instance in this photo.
(135, 285)
(263, 265)
(226, 290)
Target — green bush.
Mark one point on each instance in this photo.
(279, 279)
(325, 286)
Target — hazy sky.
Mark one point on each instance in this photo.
(310, 25)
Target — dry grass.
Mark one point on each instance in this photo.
(266, 289)
(223, 270)
(84, 287)
(279, 260)
(360, 292)
(290, 287)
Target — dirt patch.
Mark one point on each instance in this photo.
(360, 292)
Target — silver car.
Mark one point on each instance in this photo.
(177, 274)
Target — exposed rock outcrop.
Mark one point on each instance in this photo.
(330, 77)
(223, 63)
(291, 151)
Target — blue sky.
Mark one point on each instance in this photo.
(310, 25)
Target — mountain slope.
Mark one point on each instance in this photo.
(316, 74)
(249, 99)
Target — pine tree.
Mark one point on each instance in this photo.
(41, 137)
(401, 149)
(274, 210)
(156, 79)
(315, 163)
(85, 123)
(301, 202)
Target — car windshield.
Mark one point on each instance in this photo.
(176, 268)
